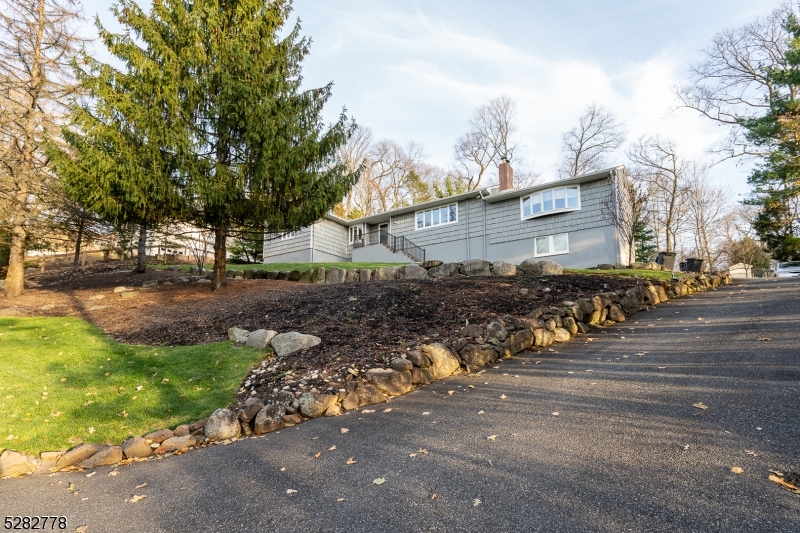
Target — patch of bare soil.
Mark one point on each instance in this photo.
(362, 325)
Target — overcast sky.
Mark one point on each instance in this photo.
(415, 70)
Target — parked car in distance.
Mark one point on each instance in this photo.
(788, 269)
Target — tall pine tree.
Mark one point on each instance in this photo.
(254, 152)
(119, 159)
(776, 181)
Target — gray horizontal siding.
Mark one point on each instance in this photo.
(331, 238)
(274, 246)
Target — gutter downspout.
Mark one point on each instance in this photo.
(312, 243)
(466, 208)
(615, 185)
(485, 251)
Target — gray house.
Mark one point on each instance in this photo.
(568, 221)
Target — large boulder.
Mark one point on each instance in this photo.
(421, 376)
(237, 335)
(352, 276)
(401, 365)
(518, 341)
(385, 273)
(294, 275)
(335, 276)
(106, 456)
(476, 356)
(251, 408)
(542, 337)
(318, 275)
(222, 424)
(561, 335)
(269, 419)
(390, 381)
(446, 270)
(472, 330)
(476, 267)
(443, 362)
(412, 271)
(364, 275)
(136, 447)
(496, 330)
(79, 453)
(17, 464)
(306, 275)
(369, 395)
(431, 264)
(175, 444)
(534, 267)
(286, 343)
(418, 359)
(616, 314)
(159, 436)
(260, 338)
(313, 404)
(503, 269)
(287, 400)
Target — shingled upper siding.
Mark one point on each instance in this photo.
(504, 222)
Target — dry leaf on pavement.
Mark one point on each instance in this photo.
(379, 481)
(492, 437)
(290, 491)
(503, 396)
(137, 498)
(318, 455)
(476, 502)
(143, 485)
(351, 461)
(344, 430)
(339, 499)
(737, 470)
(700, 405)
(331, 448)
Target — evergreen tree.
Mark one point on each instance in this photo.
(645, 242)
(776, 181)
(119, 159)
(253, 151)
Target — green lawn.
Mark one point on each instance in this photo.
(292, 266)
(62, 381)
(649, 274)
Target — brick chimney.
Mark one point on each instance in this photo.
(506, 176)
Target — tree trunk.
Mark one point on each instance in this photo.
(15, 277)
(220, 261)
(141, 254)
(78, 242)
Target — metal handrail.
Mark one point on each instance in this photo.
(394, 243)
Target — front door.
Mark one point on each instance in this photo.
(383, 229)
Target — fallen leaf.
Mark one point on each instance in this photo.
(351, 461)
(737, 470)
(283, 469)
(538, 362)
(387, 410)
(90, 475)
(143, 485)
(765, 339)
(339, 499)
(426, 413)
(344, 430)
(290, 491)
(700, 405)
(379, 481)
(319, 454)
(750, 452)
(451, 392)
(82, 529)
(137, 498)
(113, 473)
(481, 412)
(492, 437)
(423, 450)
(476, 502)
(331, 448)
(555, 413)
(368, 411)
(503, 396)
(70, 487)
(412, 455)
(434, 496)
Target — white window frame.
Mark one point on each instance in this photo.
(430, 216)
(290, 235)
(351, 232)
(550, 247)
(565, 209)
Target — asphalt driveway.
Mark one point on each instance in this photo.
(599, 434)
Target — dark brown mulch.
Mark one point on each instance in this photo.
(361, 325)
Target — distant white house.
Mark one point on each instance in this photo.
(741, 270)
(566, 221)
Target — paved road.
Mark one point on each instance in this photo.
(626, 451)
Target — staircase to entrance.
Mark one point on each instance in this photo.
(397, 244)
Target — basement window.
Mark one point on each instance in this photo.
(551, 245)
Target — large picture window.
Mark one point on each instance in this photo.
(551, 201)
(551, 245)
(437, 216)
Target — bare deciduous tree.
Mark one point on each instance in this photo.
(354, 155)
(38, 40)
(708, 205)
(586, 146)
(627, 208)
(664, 171)
(730, 82)
(489, 140)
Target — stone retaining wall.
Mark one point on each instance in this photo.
(478, 346)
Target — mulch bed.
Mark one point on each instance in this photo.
(362, 325)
